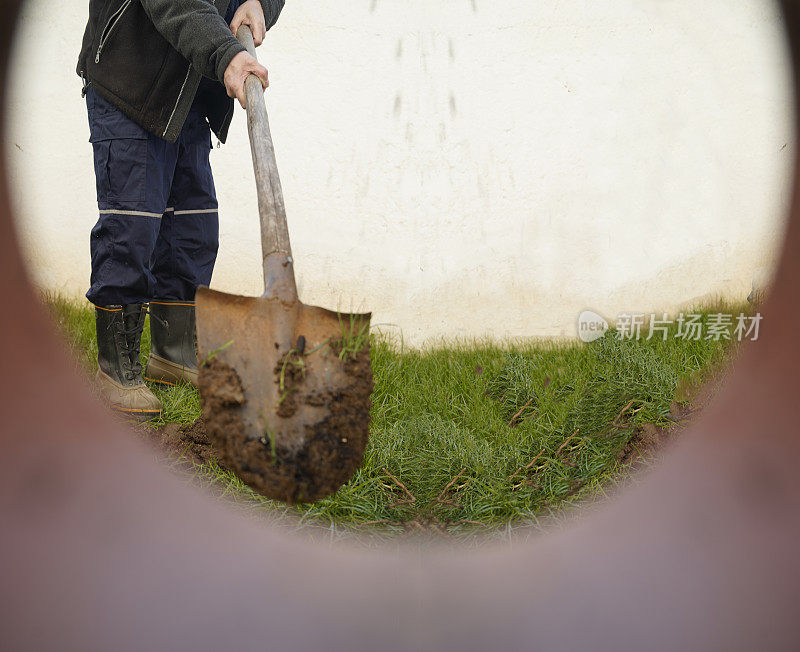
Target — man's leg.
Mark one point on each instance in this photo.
(184, 258)
(133, 172)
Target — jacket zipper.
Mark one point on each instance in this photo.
(177, 102)
(228, 115)
(180, 94)
(110, 25)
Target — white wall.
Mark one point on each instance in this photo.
(464, 167)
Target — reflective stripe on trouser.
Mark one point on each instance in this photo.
(158, 231)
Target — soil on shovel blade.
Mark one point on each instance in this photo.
(332, 452)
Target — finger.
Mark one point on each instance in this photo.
(263, 75)
(258, 32)
(258, 75)
(247, 20)
(236, 23)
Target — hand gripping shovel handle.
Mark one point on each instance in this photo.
(276, 250)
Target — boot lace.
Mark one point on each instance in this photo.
(129, 347)
(133, 346)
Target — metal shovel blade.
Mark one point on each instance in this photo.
(285, 387)
(286, 392)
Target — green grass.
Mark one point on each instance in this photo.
(478, 433)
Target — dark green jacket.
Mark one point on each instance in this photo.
(147, 57)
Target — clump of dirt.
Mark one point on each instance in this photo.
(332, 449)
(223, 383)
(289, 373)
(222, 392)
(188, 441)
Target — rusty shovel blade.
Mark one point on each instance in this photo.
(286, 392)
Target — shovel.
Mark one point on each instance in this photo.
(285, 387)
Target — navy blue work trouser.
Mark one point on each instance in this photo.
(158, 232)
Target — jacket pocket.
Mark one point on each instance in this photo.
(132, 59)
(108, 29)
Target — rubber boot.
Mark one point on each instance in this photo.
(173, 343)
(119, 339)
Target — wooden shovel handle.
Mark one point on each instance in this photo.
(276, 250)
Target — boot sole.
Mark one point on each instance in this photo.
(165, 373)
(110, 390)
(157, 381)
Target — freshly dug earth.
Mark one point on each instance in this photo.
(332, 450)
(649, 438)
(188, 441)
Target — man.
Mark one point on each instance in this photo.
(158, 76)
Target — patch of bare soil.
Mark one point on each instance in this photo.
(188, 441)
(649, 439)
(332, 449)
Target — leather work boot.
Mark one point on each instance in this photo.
(173, 343)
(119, 339)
